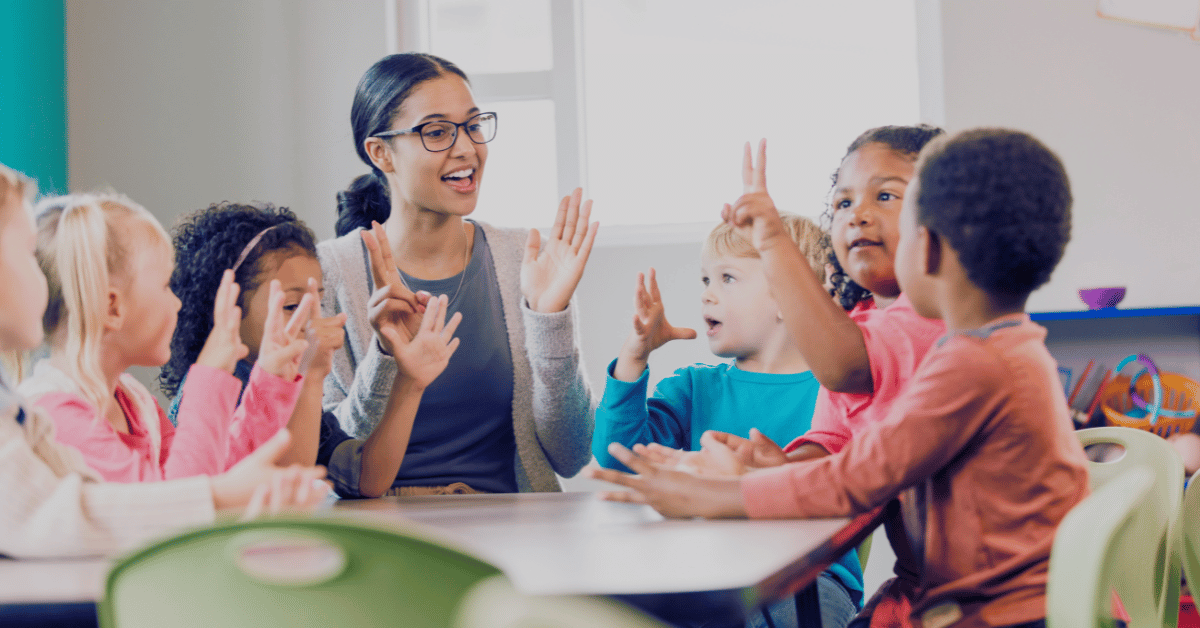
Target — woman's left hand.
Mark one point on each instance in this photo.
(550, 274)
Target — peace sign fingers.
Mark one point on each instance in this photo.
(754, 176)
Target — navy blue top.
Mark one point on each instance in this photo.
(463, 431)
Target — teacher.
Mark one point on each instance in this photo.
(513, 406)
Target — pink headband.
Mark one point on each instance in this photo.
(250, 246)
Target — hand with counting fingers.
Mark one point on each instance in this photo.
(224, 346)
(424, 357)
(325, 336)
(392, 306)
(755, 452)
(258, 485)
(754, 214)
(650, 330)
(671, 492)
(283, 343)
(550, 273)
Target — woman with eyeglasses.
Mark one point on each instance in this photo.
(513, 406)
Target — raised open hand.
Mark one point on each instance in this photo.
(392, 305)
(650, 327)
(224, 346)
(424, 357)
(550, 273)
(283, 342)
(754, 214)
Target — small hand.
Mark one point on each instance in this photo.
(754, 214)
(224, 346)
(550, 274)
(650, 327)
(424, 357)
(328, 333)
(257, 481)
(672, 493)
(283, 342)
(392, 305)
(758, 451)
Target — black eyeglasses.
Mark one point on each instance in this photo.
(440, 135)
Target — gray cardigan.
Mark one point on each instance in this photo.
(552, 400)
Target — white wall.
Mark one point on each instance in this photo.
(182, 104)
(1121, 106)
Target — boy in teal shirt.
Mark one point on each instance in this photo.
(768, 385)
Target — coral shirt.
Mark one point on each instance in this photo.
(981, 443)
(897, 339)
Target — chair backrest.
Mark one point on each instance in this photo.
(493, 603)
(1189, 525)
(1098, 549)
(312, 572)
(1159, 520)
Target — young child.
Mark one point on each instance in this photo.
(264, 243)
(768, 384)
(53, 503)
(108, 263)
(979, 445)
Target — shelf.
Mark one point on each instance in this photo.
(1107, 313)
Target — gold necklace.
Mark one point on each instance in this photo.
(462, 276)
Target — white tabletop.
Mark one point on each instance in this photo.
(553, 543)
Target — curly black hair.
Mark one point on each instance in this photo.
(905, 139)
(206, 243)
(1003, 202)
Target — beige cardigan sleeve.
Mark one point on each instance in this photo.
(53, 505)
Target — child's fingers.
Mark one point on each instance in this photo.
(258, 498)
(626, 497)
(299, 317)
(682, 333)
(760, 169)
(615, 477)
(654, 293)
(278, 481)
(581, 225)
(274, 320)
(635, 462)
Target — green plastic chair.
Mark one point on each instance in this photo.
(1158, 521)
(317, 572)
(1189, 524)
(1099, 548)
(493, 603)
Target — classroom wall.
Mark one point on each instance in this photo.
(1117, 102)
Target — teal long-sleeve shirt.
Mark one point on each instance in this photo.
(711, 397)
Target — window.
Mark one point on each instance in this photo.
(649, 102)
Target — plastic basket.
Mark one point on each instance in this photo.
(1179, 394)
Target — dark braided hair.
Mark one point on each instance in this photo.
(206, 243)
(377, 101)
(905, 139)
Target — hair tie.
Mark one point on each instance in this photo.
(250, 246)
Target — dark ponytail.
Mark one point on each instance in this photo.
(905, 139)
(377, 101)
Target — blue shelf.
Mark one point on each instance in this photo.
(1191, 310)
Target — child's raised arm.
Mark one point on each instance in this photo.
(829, 340)
(650, 331)
(419, 360)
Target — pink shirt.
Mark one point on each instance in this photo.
(897, 339)
(212, 435)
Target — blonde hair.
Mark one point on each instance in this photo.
(85, 242)
(724, 240)
(13, 362)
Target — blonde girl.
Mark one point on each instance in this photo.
(108, 263)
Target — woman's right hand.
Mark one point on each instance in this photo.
(392, 306)
(424, 357)
(224, 346)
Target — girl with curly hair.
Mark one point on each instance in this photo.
(108, 263)
(263, 243)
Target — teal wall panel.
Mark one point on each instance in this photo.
(33, 90)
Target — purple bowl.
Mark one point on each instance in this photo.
(1101, 298)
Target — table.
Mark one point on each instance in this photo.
(558, 543)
